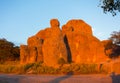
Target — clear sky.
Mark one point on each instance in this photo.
(20, 19)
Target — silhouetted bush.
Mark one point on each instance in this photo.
(112, 6)
(115, 37)
(8, 51)
(112, 46)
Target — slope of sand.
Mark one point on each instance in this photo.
(5, 78)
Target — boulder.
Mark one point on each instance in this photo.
(74, 43)
(39, 54)
(28, 54)
(43, 34)
(34, 41)
(84, 47)
(78, 26)
(35, 46)
(54, 47)
(24, 54)
(113, 66)
(33, 54)
(116, 67)
(54, 23)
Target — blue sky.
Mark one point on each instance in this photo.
(20, 19)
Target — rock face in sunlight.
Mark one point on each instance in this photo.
(54, 47)
(35, 49)
(47, 46)
(74, 43)
(24, 54)
(84, 47)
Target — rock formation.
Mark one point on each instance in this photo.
(84, 47)
(47, 46)
(24, 54)
(74, 43)
(54, 47)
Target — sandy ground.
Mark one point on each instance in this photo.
(5, 78)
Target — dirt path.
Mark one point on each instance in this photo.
(4, 78)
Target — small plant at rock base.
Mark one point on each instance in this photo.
(61, 61)
(27, 66)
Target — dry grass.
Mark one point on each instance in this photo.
(39, 68)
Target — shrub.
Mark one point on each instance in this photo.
(8, 69)
(39, 68)
(8, 51)
(88, 68)
(75, 67)
(61, 61)
(27, 66)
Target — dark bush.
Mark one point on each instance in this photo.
(8, 51)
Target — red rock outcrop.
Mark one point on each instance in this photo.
(84, 47)
(75, 43)
(54, 47)
(35, 47)
(47, 46)
(113, 66)
(24, 54)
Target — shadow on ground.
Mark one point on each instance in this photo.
(115, 78)
(59, 79)
(32, 79)
(12, 79)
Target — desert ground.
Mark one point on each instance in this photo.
(97, 78)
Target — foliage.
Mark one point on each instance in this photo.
(40, 68)
(27, 66)
(8, 68)
(115, 37)
(88, 68)
(112, 48)
(115, 51)
(80, 69)
(8, 51)
(61, 61)
(112, 6)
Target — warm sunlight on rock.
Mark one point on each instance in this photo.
(74, 43)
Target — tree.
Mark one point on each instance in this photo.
(113, 48)
(115, 37)
(112, 6)
(8, 51)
